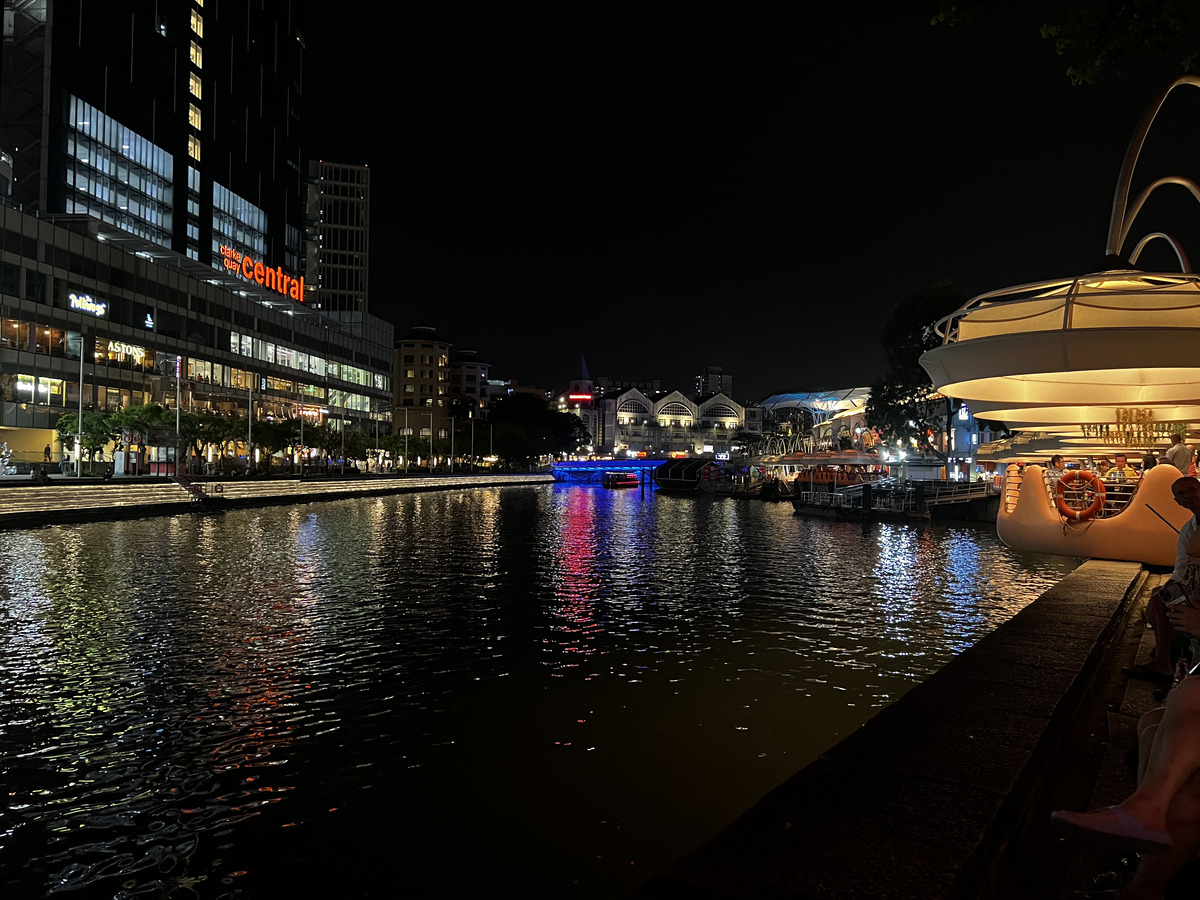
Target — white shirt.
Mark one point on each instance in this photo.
(1180, 456)
(1181, 555)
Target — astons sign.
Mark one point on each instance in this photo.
(253, 270)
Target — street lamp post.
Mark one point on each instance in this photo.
(249, 422)
(300, 410)
(451, 445)
(430, 442)
(79, 421)
(178, 405)
(406, 441)
(472, 443)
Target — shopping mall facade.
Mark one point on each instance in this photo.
(94, 318)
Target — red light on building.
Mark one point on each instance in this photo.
(579, 397)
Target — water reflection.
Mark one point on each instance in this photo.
(541, 689)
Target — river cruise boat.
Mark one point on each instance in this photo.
(620, 480)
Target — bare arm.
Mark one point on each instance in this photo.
(1193, 544)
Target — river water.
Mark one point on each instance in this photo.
(529, 691)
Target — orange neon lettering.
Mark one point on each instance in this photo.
(273, 279)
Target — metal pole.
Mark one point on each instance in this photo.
(178, 404)
(406, 441)
(343, 445)
(452, 445)
(300, 408)
(250, 423)
(79, 421)
(472, 443)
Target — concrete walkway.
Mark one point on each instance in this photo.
(23, 504)
(947, 793)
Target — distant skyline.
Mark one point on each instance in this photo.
(668, 188)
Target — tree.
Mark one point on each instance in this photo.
(903, 406)
(97, 433)
(1094, 36)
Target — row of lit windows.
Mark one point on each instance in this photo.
(248, 345)
(110, 133)
(100, 159)
(90, 206)
(118, 195)
(60, 394)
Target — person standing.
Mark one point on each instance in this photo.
(1055, 472)
(1179, 454)
(46, 454)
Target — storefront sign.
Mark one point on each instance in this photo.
(253, 270)
(122, 349)
(85, 303)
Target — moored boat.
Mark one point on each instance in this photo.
(620, 479)
(1138, 526)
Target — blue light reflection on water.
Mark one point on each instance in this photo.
(557, 690)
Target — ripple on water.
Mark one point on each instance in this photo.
(205, 704)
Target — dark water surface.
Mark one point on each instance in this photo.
(539, 691)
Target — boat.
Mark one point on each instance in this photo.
(1137, 521)
(620, 480)
(690, 476)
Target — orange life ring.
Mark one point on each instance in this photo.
(1097, 486)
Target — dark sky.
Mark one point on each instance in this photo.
(665, 187)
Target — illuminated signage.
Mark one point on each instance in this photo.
(253, 270)
(120, 348)
(85, 303)
(579, 396)
(149, 321)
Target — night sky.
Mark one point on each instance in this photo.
(664, 187)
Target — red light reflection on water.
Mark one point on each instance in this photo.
(577, 581)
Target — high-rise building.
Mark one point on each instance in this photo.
(178, 122)
(153, 151)
(714, 381)
(337, 230)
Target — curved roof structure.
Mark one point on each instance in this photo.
(826, 403)
(1059, 352)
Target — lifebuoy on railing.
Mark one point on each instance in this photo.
(1093, 481)
(218, 488)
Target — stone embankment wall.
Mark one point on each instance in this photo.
(930, 797)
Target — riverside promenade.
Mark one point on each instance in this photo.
(66, 499)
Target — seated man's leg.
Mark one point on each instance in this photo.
(1147, 727)
(1141, 822)
(1156, 870)
(1164, 634)
(1174, 756)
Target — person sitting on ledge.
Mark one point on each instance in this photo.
(1186, 575)
(1161, 818)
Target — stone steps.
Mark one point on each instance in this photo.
(38, 499)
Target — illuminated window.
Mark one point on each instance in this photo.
(197, 56)
(194, 147)
(194, 116)
(197, 24)
(194, 84)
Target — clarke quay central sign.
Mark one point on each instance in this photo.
(253, 270)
